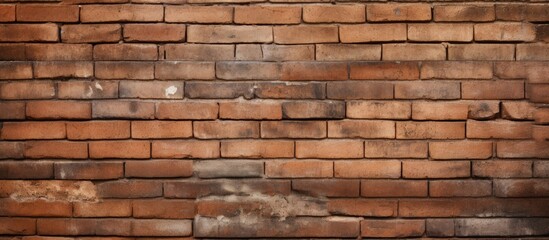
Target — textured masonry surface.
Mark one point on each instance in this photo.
(153, 119)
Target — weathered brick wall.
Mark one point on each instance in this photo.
(289, 118)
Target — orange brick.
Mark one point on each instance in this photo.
(199, 14)
(313, 109)
(436, 169)
(58, 110)
(412, 52)
(522, 12)
(361, 129)
(440, 32)
(427, 90)
(154, 32)
(105, 208)
(314, 71)
(342, 52)
(344, 13)
(299, 169)
(175, 209)
(98, 130)
(120, 149)
(393, 188)
(502, 169)
(499, 129)
(395, 149)
(456, 70)
(250, 110)
(460, 188)
(151, 89)
(505, 31)
(359, 90)
(541, 169)
(35, 208)
(541, 115)
(329, 149)
(430, 130)
(460, 150)
(326, 187)
(187, 110)
(247, 70)
(394, 32)
(58, 52)
(378, 109)
(88, 89)
(481, 52)
(67, 226)
(91, 33)
(293, 129)
(47, 13)
(229, 34)
(158, 168)
(384, 71)
(123, 109)
(306, 34)
(398, 12)
(7, 13)
(185, 149)
(482, 110)
(492, 90)
(439, 110)
(125, 52)
(537, 93)
(63, 69)
(89, 170)
(124, 70)
(58, 149)
(12, 110)
(32, 130)
(23, 226)
(290, 90)
(122, 13)
(257, 149)
(46, 32)
(172, 70)
(464, 13)
(522, 149)
(534, 51)
(27, 90)
(262, 14)
(361, 207)
(226, 129)
(199, 52)
(161, 129)
(392, 228)
(540, 133)
(367, 169)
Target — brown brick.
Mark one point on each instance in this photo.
(89, 170)
(161, 129)
(361, 129)
(541, 168)
(164, 209)
(47, 13)
(98, 130)
(122, 13)
(11, 150)
(7, 13)
(327, 187)
(534, 51)
(186, 110)
(199, 52)
(91, 33)
(88, 89)
(537, 93)
(32, 130)
(540, 133)
(26, 170)
(378, 109)
(384, 71)
(257, 149)
(129, 189)
(12, 51)
(440, 32)
(430, 130)
(542, 32)
(159, 168)
(217, 90)
(184, 70)
(522, 12)
(262, 14)
(58, 149)
(293, 129)
(393, 188)
(502, 169)
(225, 129)
(185, 149)
(299, 169)
(229, 169)
(120, 149)
(58, 52)
(250, 110)
(521, 188)
(395, 149)
(499, 129)
(35, 208)
(313, 109)
(522, 149)
(247, 70)
(15, 70)
(151, 89)
(63, 69)
(392, 228)
(541, 115)
(398, 12)
(12, 110)
(306, 34)
(464, 13)
(427, 90)
(125, 52)
(394, 32)
(505, 31)
(105, 208)
(27, 90)
(361, 207)
(329, 149)
(412, 52)
(460, 150)
(124, 70)
(199, 14)
(423, 110)
(460, 188)
(492, 90)
(73, 227)
(456, 70)
(154, 32)
(436, 169)
(46, 32)
(166, 228)
(481, 52)
(439, 227)
(533, 71)
(248, 52)
(344, 13)
(58, 110)
(290, 90)
(367, 169)
(359, 90)
(203, 188)
(501, 227)
(340, 52)
(123, 109)
(482, 110)
(272, 52)
(314, 71)
(229, 34)
(13, 226)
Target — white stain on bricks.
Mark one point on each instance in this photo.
(170, 91)
(55, 190)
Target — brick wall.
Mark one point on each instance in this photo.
(289, 118)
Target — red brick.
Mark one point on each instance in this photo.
(398, 12)
(460, 188)
(313, 109)
(120, 149)
(361, 129)
(130, 189)
(35, 208)
(344, 13)
(203, 188)
(229, 169)
(151, 89)
(17, 226)
(439, 110)
(73, 227)
(460, 150)
(91, 33)
(247, 70)
(105, 208)
(15, 70)
(63, 69)
(7, 13)
(47, 13)
(427, 90)
(464, 13)
(367, 169)
(340, 52)
(32, 130)
(360, 207)
(27, 90)
(393, 188)
(521, 188)
(327, 187)
(26, 170)
(395, 149)
(125, 52)
(185, 70)
(330, 149)
(164, 209)
(59, 149)
(440, 32)
(89, 170)
(481, 52)
(299, 169)
(306, 34)
(505, 31)
(522, 149)
(359, 90)
(314, 71)
(226, 129)
(261, 14)
(499, 129)
(185, 149)
(522, 12)
(492, 90)
(229, 34)
(87, 89)
(159, 168)
(98, 130)
(378, 109)
(537, 93)
(293, 129)
(12, 110)
(199, 14)
(161, 129)
(186, 110)
(46, 32)
(541, 169)
(412, 52)
(250, 110)
(394, 32)
(123, 109)
(199, 52)
(124, 70)
(58, 52)
(502, 169)
(58, 110)
(154, 32)
(166, 228)
(436, 169)
(456, 70)
(430, 130)
(392, 228)
(122, 13)
(257, 149)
